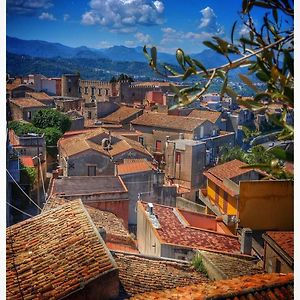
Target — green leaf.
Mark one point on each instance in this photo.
(261, 96)
(200, 65)
(248, 42)
(154, 56)
(288, 63)
(262, 76)
(224, 85)
(232, 31)
(188, 73)
(248, 82)
(146, 53)
(275, 14)
(189, 61)
(212, 46)
(172, 71)
(180, 58)
(230, 92)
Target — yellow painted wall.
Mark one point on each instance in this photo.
(267, 205)
(211, 192)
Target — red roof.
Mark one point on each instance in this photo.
(284, 239)
(229, 169)
(174, 231)
(134, 167)
(261, 287)
(27, 161)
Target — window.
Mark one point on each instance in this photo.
(29, 115)
(99, 92)
(93, 91)
(141, 140)
(106, 92)
(80, 90)
(178, 157)
(89, 114)
(69, 90)
(158, 146)
(91, 170)
(86, 90)
(201, 132)
(277, 266)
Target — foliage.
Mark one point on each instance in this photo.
(124, 77)
(249, 134)
(270, 161)
(197, 263)
(51, 118)
(30, 173)
(21, 128)
(229, 153)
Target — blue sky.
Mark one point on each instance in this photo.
(167, 24)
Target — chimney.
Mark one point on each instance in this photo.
(102, 232)
(150, 209)
(246, 241)
(181, 136)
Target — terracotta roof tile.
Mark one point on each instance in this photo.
(168, 121)
(229, 169)
(139, 273)
(54, 254)
(212, 116)
(27, 161)
(231, 266)
(121, 114)
(173, 231)
(27, 102)
(261, 287)
(116, 232)
(284, 239)
(74, 144)
(39, 96)
(134, 167)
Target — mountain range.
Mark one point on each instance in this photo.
(25, 57)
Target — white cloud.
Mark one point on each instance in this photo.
(27, 7)
(208, 22)
(47, 16)
(143, 38)
(123, 15)
(66, 17)
(105, 44)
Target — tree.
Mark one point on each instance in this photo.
(267, 52)
(51, 118)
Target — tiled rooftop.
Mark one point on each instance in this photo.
(212, 116)
(115, 230)
(230, 266)
(78, 185)
(256, 287)
(74, 144)
(173, 231)
(39, 95)
(229, 169)
(121, 114)
(168, 121)
(27, 102)
(54, 254)
(134, 167)
(140, 274)
(27, 161)
(284, 239)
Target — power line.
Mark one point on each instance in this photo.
(22, 190)
(23, 212)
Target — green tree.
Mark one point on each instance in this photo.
(229, 153)
(51, 118)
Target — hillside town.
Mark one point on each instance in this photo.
(114, 194)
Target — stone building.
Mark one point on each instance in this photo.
(70, 85)
(24, 108)
(157, 128)
(95, 152)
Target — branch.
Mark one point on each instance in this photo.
(239, 61)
